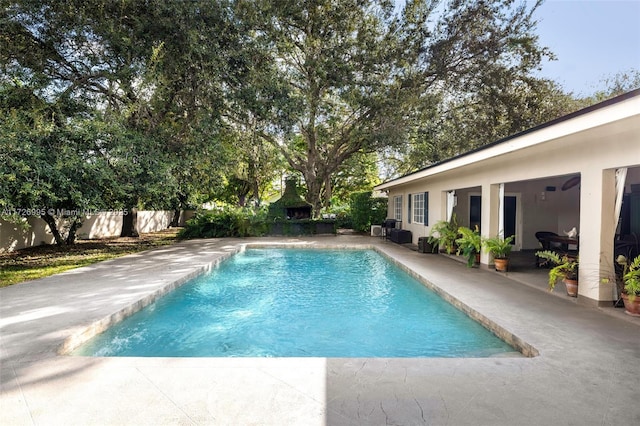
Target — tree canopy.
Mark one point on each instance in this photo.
(355, 77)
(151, 72)
(161, 104)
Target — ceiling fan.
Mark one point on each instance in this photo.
(570, 183)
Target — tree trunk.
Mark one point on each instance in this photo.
(51, 221)
(175, 222)
(130, 224)
(76, 223)
(313, 196)
(256, 192)
(328, 193)
(182, 201)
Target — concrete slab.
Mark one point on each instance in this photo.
(580, 376)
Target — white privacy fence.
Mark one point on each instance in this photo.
(13, 236)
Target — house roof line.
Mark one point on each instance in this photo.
(413, 175)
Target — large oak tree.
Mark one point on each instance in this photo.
(354, 77)
(157, 72)
(184, 95)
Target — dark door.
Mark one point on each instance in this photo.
(475, 211)
(634, 213)
(510, 217)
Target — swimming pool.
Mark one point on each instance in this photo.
(299, 303)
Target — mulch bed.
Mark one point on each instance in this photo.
(44, 255)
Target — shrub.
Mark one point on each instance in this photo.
(302, 227)
(226, 222)
(366, 210)
(341, 214)
(343, 220)
(378, 211)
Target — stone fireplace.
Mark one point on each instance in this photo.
(291, 205)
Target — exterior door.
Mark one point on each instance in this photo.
(475, 211)
(510, 217)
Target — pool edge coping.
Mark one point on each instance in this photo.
(78, 338)
(520, 345)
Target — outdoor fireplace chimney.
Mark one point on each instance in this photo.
(291, 205)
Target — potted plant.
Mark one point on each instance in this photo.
(444, 233)
(469, 244)
(566, 268)
(500, 248)
(631, 281)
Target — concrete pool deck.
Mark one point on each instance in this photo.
(585, 373)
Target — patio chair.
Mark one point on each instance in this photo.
(387, 226)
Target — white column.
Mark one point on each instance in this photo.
(501, 210)
(491, 216)
(597, 231)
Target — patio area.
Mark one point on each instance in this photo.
(524, 271)
(580, 374)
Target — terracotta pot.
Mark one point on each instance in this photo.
(572, 287)
(501, 264)
(631, 308)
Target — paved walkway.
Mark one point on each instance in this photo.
(585, 373)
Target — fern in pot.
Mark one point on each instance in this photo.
(631, 281)
(469, 244)
(444, 233)
(565, 268)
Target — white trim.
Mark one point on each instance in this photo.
(414, 209)
(451, 203)
(621, 177)
(519, 215)
(501, 210)
(397, 213)
(601, 116)
(519, 220)
(469, 196)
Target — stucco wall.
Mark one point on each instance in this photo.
(14, 236)
(591, 146)
(528, 172)
(101, 225)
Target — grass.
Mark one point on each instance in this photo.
(42, 261)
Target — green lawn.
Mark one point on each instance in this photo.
(42, 261)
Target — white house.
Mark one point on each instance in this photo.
(574, 171)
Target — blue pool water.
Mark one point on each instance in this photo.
(298, 303)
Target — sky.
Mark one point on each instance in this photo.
(592, 40)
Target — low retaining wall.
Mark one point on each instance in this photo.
(14, 236)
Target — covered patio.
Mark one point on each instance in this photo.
(580, 171)
(522, 270)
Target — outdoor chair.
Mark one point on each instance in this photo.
(387, 226)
